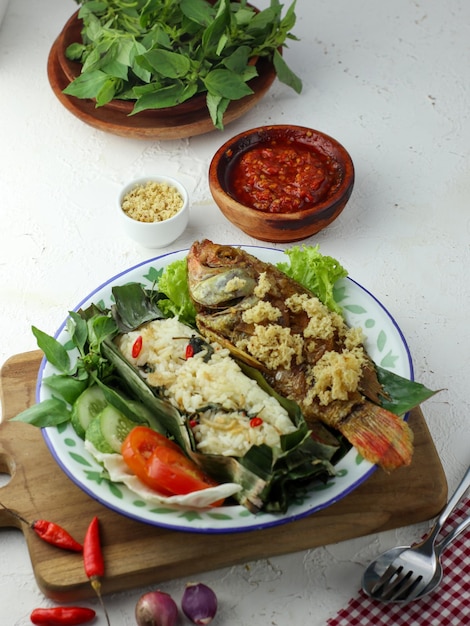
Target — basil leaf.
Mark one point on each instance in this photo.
(67, 387)
(53, 350)
(264, 20)
(198, 11)
(217, 107)
(172, 47)
(87, 85)
(216, 29)
(164, 97)
(77, 329)
(168, 64)
(238, 60)
(226, 84)
(51, 412)
(285, 74)
(100, 327)
(75, 51)
(107, 92)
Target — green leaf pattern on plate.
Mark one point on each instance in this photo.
(115, 490)
(80, 459)
(362, 317)
(153, 275)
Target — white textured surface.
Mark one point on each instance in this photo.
(391, 82)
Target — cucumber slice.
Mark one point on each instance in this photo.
(86, 407)
(107, 432)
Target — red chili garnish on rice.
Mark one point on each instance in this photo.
(137, 347)
(189, 351)
(255, 422)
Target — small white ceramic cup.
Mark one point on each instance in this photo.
(155, 234)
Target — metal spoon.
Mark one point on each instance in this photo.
(408, 573)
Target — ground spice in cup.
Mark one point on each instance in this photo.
(152, 202)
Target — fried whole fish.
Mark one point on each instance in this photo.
(306, 352)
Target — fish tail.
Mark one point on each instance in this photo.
(380, 436)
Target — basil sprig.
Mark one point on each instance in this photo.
(160, 53)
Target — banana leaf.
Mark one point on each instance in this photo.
(400, 394)
(134, 306)
(168, 417)
(268, 480)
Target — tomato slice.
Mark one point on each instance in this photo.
(171, 470)
(138, 447)
(161, 464)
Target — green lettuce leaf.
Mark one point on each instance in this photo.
(315, 271)
(174, 284)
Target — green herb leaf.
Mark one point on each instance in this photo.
(238, 60)
(226, 84)
(217, 106)
(77, 329)
(75, 51)
(168, 64)
(87, 85)
(100, 327)
(198, 11)
(67, 387)
(53, 350)
(164, 97)
(285, 74)
(50, 412)
(177, 49)
(216, 29)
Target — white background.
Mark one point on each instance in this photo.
(388, 80)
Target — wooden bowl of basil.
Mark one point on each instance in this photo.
(151, 81)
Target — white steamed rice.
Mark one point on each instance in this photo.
(219, 398)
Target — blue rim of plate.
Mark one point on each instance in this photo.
(352, 470)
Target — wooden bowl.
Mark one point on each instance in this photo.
(187, 119)
(290, 206)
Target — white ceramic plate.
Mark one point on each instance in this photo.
(384, 342)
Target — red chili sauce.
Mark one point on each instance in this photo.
(283, 177)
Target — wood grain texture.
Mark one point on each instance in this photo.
(138, 554)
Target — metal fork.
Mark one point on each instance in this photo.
(407, 573)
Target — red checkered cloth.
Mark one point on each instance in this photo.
(449, 605)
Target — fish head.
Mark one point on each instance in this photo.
(218, 275)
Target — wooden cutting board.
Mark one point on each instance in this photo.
(138, 554)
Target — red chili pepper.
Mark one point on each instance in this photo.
(93, 560)
(92, 555)
(55, 535)
(50, 532)
(57, 616)
(255, 422)
(137, 347)
(189, 351)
